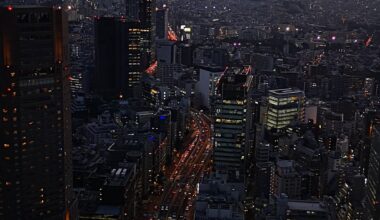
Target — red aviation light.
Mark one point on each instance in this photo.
(9, 8)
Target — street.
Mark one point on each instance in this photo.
(179, 191)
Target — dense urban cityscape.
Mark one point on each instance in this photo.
(190, 109)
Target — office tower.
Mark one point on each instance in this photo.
(117, 61)
(349, 198)
(167, 64)
(230, 120)
(133, 9)
(142, 12)
(264, 172)
(166, 51)
(371, 121)
(263, 169)
(373, 190)
(185, 55)
(284, 106)
(205, 87)
(147, 19)
(162, 23)
(35, 125)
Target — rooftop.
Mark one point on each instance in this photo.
(307, 206)
(285, 163)
(287, 91)
(121, 176)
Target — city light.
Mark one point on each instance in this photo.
(190, 109)
(368, 41)
(172, 36)
(151, 70)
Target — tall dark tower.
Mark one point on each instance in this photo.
(118, 57)
(133, 9)
(143, 11)
(162, 23)
(147, 18)
(35, 120)
(372, 200)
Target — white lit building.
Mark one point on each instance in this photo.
(284, 106)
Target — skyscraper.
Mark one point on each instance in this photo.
(373, 191)
(284, 106)
(208, 78)
(118, 58)
(142, 11)
(167, 63)
(230, 121)
(133, 9)
(162, 23)
(35, 125)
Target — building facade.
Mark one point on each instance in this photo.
(117, 57)
(284, 106)
(143, 11)
(35, 125)
(230, 118)
(162, 22)
(205, 87)
(373, 191)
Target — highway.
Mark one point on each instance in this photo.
(179, 191)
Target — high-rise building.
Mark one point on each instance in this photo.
(35, 125)
(166, 52)
(142, 12)
(185, 55)
(118, 58)
(133, 9)
(230, 120)
(373, 190)
(162, 21)
(284, 106)
(147, 19)
(349, 198)
(205, 87)
(264, 173)
(167, 63)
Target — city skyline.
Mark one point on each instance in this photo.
(189, 109)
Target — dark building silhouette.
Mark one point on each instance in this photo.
(142, 12)
(117, 61)
(133, 9)
(231, 119)
(185, 54)
(162, 23)
(35, 125)
(373, 191)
